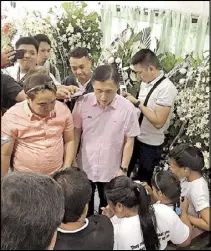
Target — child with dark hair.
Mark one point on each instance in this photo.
(77, 232)
(187, 162)
(138, 224)
(165, 189)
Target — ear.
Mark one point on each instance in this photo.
(151, 68)
(119, 206)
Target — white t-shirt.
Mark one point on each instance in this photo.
(163, 95)
(128, 234)
(197, 193)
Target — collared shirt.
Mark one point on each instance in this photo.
(39, 145)
(163, 95)
(14, 71)
(103, 134)
(83, 86)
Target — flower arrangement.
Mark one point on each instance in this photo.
(120, 52)
(67, 26)
(7, 32)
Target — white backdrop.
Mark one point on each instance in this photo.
(197, 7)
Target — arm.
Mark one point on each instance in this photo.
(77, 118)
(185, 220)
(69, 140)
(21, 96)
(69, 148)
(158, 117)
(7, 145)
(127, 151)
(203, 222)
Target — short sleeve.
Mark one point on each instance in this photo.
(8, 126)
(132, 128)
(77, 113)
(179, 232)
(166, 94)
(199, 196)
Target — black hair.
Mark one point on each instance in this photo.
(36, 82)
(146, 57)
(167, 183)
(79, 52)
(77, 192)
(188, 156)
(42, 38)
(32, 208)
(106, 72)
(27, 40)
(130, 194)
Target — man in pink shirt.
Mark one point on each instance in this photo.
(106, 124)
(37, 135)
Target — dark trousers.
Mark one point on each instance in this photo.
(103, 202)
(148, 157)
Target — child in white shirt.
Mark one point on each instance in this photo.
(137, 224)
(187, 162)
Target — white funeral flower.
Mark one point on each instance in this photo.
(82, 21)
(182, 71)
(114, 51)
(198, 144)
(111, 60)
(89, 29)
(88, 46)
(118, 60)
(78, 35)
(125, 75)
(74, 17)
(182, 81)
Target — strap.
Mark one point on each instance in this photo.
(148, 96)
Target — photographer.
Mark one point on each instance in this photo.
(6, 57)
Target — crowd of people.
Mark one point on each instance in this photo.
(63, 139)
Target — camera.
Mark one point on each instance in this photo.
(19, 54)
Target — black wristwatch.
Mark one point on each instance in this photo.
(137, 104)
(124, 169)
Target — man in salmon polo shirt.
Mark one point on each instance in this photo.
(106, 124)
(37, 135)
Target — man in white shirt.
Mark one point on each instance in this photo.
(156, 114)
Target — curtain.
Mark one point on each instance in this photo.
(177, 32)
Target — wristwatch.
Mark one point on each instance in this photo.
(137, 104)
(124, 169)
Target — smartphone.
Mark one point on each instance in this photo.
(77, 94)
(19, 54)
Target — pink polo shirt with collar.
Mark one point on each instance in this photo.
(39, 145)
(103, 134)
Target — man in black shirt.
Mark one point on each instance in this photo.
(11, 92)
(80, 64)
(76, 231)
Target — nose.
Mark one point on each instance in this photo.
(26, 54)
(104, 97)
(79, 71)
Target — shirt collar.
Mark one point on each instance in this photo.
(84, 85)
(113, 104)
(156, 79)
(31, 114)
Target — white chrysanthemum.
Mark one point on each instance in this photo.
(89, 29)
(74, 17)
(183, 71)
(82, 21)
(111, 60)
(182, 81)
(118, 60)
